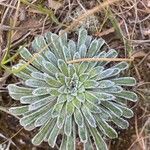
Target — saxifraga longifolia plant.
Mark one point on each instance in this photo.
(73, 100)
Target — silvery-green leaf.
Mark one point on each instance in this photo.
(28, 68)
(68, 125)
(22, 75)
(81, 37)
(19, 110)
(41, 102)
(105, 84)
(38, 75)
(82, 67)
(121, 101)
(93, 48)
(33, 116)
(50, 67)
(128, 113)
(108, 73)
(71, 70)
(92, 107)
(70, 145)
(67, 53)
(110, 54)
(88, 144)
(36, 83)
(50, 43)
(39, 137)
(25, 54)
(114, 89)
(88, 84)
(61, 118)
(31, 98)
(63, 37)
(62, 98)
(17, 96)
(93, 73)
(81, 97)
(63, 67)
(76, 56)
(122, 66)
(39, 44)
(98, 140)
(83, 77)
(81, 89)
(131, 96)
(63, 143)
(56, 43)
(30, 126)
(52, 81)
(69, 97)
(102, 96)
(40, 91)
(72, 47)
(91, 97)
(120, 122)
(76, 103)
(18, 89)
(69, 108)
(78, 117)
(83, 133)
(51, 57)
(83, 50)
(60, 77)
(101, 42)
(112, 107)
(104, 114)
(51, 126)
(88, 41)
(95, 64)
(57, 109)
(125, 81)
(53, 136)
(54, 92)
(107, 129)
(43, 119)
(88, 116)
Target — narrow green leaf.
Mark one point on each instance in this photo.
(88, 116)
(121, 66)
(83, 134)
(125, 81)
(107, 129)
(17, 89)
(105, 84)
(119, 121)
(68, 125)
(57, 109)
(63, 67)
(78, 118)
(99, 142)
(19, 110)
(82, 35)
(39, 137)
(53, 136)
(131, 96)
(36, 83)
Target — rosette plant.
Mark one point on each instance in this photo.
(81, 100)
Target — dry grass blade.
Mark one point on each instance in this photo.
(99, 59)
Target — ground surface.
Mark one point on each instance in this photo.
(125, 25)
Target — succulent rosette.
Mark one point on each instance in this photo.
(73, 100)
